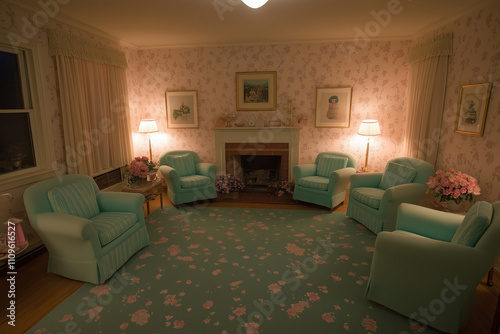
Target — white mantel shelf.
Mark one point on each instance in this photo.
(245, 134)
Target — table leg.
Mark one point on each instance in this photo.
(147, 205)
(496, 319)
(490, 277)
(161, 197)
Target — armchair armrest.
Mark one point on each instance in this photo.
(304, 170)
(121, 202)
(206, 169)
(427, 222)
(371, 180)
(340, 178)
(171, 176)
(65, 226)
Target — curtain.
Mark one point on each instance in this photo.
(427, 87)
(94, 104)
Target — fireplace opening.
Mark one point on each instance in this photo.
(258, 171)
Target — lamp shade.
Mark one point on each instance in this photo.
(369, 127)
(254, 3)
(148, 126)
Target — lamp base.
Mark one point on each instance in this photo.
(365, 170)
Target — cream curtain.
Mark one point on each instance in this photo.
(94, 104)
(427, 86)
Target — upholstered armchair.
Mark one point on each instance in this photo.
(375, 197)
(429, 267)
(188, 179)
(324, 182)
(89, 234)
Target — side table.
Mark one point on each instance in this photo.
(149, 190)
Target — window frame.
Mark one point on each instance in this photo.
(41, 129)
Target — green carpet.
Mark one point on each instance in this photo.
(232, 270)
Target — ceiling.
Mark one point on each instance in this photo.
(178, 23)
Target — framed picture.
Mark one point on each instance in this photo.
(182, 109)
(255, 90)
(333, 107)
(472, 109)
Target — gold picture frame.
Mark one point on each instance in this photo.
(182, 109)
(333, 107)
(472, 109)
(256, 91)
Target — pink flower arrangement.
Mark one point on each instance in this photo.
(453, 185)
(139, 169)
(282, 187)
(228, 183)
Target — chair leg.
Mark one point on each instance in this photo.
(496, 319)
(490, 277)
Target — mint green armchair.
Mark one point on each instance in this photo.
(375, 197)
(89, 234)
(324, 182)
(429, 267)
(188, 179)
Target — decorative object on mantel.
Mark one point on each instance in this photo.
(148, 126)
(472, 109)
(452, 187)
(368, 127)
(228, 184)
(255, 91)
(182, 109)
(140, 171)
(301, 119)
(333, 107)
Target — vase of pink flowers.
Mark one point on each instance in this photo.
(139, 171)
(228, 186)
(452, 187)
(283, 188)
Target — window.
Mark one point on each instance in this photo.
(23, 156)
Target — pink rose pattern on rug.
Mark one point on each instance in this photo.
(224, 270)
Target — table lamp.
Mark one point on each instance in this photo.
(148, 126)
(368, 127)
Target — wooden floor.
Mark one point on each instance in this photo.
(38, 292)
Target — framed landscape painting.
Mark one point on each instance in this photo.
(472, 108)
(333, 107)
(182, 109)
(255, 90)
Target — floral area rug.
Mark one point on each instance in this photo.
(234, 270)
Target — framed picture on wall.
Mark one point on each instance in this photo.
(182, 109)
(333, 107)
(255, 90)
(472, 108)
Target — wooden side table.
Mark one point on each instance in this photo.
(150, 191)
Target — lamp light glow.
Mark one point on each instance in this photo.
(254, 3)
(368, 127)
(148, 126)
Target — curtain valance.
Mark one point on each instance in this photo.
(441, 45)
(61, 44)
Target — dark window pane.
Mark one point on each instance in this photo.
(16, 143)
(11, 91)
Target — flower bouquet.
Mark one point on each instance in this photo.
(228, 183)
(139, 169)
(282, 187)
(182, 111)
(454, 186)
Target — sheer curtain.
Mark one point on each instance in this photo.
(94, 104)
(427, 85)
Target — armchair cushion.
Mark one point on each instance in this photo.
(396, 174)
(194, 181)
(476, 221)
(315, 182)
(182, 163)
(75, 199)
(330, 163)
(110, 225)
(369, 196)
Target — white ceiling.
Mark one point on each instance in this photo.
(174, 23)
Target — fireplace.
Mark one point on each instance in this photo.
(233, 143)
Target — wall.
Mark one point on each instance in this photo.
(377, 74)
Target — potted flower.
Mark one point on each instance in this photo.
(282, 187)
(452, 187)
(228, 184)
(139, 170)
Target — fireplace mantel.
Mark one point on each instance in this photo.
(257, 135)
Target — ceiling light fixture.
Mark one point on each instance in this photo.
(254, 3)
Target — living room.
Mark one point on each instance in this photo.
(377, 71)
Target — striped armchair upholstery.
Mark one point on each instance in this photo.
(324, 182)
(89, 234)
(188, 179)
(375, 197)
